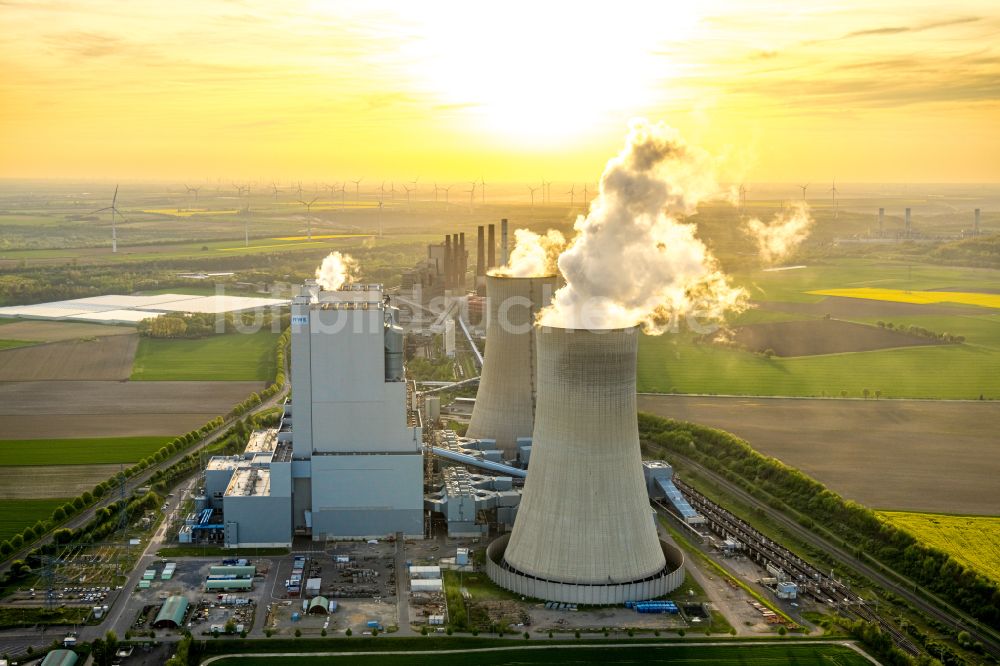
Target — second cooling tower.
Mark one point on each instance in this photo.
(584, 531)
(505, 402)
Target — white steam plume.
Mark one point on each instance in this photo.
(533, 255)
(336, 270)
(632, 262)
(779, 237)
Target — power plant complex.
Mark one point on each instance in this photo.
(549, 469)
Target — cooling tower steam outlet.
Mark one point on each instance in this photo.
(584, 532)
(505, 402)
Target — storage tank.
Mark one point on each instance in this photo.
(583, 532)
(505, 401)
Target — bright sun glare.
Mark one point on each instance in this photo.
(545, 86)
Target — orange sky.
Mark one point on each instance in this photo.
(513, 91)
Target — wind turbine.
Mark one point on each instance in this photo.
(381, 193)
(342, 189)
(114, 228)
(392, 191)
(446, 191)
(803, 188)
(585, 194)
(482, 181)
(436, 188)
(309, 214)
(408, 190)
(833, 192)
(533, 190)
(546, 191)
(274, 186)
(357, 190)
(299, 190)
(572, 194)
(195, 190)
(472, 193)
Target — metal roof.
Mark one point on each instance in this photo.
(172, 612)
(60, 658)
(319, 605)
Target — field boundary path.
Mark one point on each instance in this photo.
(852, 645)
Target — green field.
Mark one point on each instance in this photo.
(672, 364)
(675, 654)
(972, 540)
(228, 357)
(85, 451)
(11, 344)
(679, 363)
(15, 515)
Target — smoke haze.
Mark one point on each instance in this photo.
(779, 237)
(632, 262)
(336, 270)
(533, 255)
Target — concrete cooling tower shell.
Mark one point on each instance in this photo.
(505, 402)
(584, 532)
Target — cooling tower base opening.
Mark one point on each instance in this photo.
(658, 585)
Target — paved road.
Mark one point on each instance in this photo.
(402, 594)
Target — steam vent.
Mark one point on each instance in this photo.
(584, 532)
(505, 402)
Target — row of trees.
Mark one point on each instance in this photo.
(181, 325)
(858, 527)
(921, 332)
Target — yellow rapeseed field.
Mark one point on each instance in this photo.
(920, 297)
(187, 213)
(972, 540)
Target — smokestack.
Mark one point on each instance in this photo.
(584, 531)
(456, 260)
(881, 220)
(447, 261)
(906, 225)
(464, 263)
(503, 242)
(505, 401)
(480, 260)
(491, 248)
(975, 223)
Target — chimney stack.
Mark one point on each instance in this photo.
(463, 263)
(491, 248)
(447, 261)
(481, 260)
(503, 242)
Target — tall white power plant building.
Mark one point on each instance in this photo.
(585, 532)
(356, 456)
(505, 402)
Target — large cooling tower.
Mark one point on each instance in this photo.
(584, 531)
(505, 402)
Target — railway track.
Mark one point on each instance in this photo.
(775, 557)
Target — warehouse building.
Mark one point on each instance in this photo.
(172, 613)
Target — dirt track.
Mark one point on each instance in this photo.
(105, 358)
(52, 409)
(935, 456)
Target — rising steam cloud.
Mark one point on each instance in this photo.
(632, 262)
(336, 270)
(533, 255)
(779, 237)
